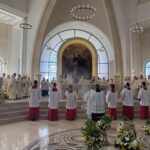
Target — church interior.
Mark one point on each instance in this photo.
(57, 56)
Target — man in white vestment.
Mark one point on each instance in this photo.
(88, 100)
(19, 93)
(12, 86)
(44, 87)
(98, 104)
(69, 79)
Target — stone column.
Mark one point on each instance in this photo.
(118, 82)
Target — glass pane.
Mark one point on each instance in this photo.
(101, 75)
(56, 39)
(43, 67)
(103, 57)
(44, 75)
(147, 72)
(52, 67)
(95, 42)
(52, 75)
(57, 47)
(53, 57)
(45, 55)
(82, 34)
(148, 64)
(67, 34)
(103, 68)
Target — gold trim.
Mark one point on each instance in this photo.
(84, 43)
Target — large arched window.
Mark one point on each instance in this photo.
(147, 69)
(49, 60)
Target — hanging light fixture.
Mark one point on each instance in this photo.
(137, 28)
(25, 25)
(88, 12)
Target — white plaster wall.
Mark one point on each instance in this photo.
(14, 51)
(145, 48)
(36, 8)
(4, 45)
(19, 5)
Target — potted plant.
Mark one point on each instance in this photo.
(92, 135)
(147, 128)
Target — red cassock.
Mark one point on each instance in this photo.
(128, 112)
(53, 114)
(112, 113)
(144, 112)
(33, 113)
(71, 114)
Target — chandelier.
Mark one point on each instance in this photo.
(137, 28)
(83, 12)
(25, 25)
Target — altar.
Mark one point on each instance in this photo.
(81, 89)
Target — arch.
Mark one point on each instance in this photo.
(113, 28)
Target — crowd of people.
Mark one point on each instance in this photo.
(95, 98)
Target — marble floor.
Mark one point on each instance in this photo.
(17, 136)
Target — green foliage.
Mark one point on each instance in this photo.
(126, 136)
(3, 96)
(147, 127)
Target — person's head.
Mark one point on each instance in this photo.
(128, 85)
(112, 86)
(43, 79)
(4, 74)
(141, 76)
(97, 87)
(35, 82)
(143, 84)
(54, 84)
(70, 87)
(14, 74)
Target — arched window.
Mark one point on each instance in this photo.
(49, 60)
(147, 69)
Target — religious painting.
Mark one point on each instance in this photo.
(77, 62)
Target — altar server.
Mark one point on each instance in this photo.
(127, 96)
(111, 98)
(88, 100)
(34, 100)
(71, 103)
(144, 97)
(98, 104)
(53, 103)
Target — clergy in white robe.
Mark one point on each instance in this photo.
(71, 96)
(44, 87)
(127, 97)
(53, 103)
(19, 92)
(34, 101)
(144, 97)
(98, 104)
(12, 87)
(88, 100)
(111, 98)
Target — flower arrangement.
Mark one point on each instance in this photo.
(92, 135)
(104, 123)
(147, 127)
(3, 96)
(126, 136)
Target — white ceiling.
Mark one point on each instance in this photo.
(9, 18)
